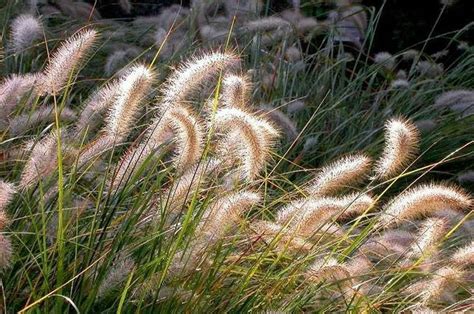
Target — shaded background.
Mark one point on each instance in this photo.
(403, 23)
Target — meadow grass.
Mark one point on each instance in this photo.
(184, 182)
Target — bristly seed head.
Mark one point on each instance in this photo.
(401, 145)
(422, 201)
(65, 60)
(192, 74)
(250, 135)
(5, 252)
(7, 190)
(131, 89)
(25, 30)
(340, 174)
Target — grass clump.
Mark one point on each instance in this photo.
(282, 174)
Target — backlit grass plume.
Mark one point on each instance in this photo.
(224, 213)
(321, 208)
(13, 89)
(7, 190)
(281, 120)
(45, 114)
(429, 237)
(41, 162)
(5, 251)
(131, 89)
(188, 136)
(192, 74)
(184, 213)
(66, 60)
(235, 91)
(424, 200)
(341, 174)
(178, 125)
(401, 145)
(439, 287)
(251, 136)
(25, 30)
(184, 187)
(101, 100)
(306, 216)
(464, 256)
(461, 101)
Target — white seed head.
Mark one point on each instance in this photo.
(340, 174)
(65, 60)
(252, 136)
(422, 201)
(131, 90)
(401, 145)
(193, 74)
(25, 30)
(7, 190)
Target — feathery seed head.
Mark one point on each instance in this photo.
(400, 84)
(65, 60)
(284, 241)
(25, 30)
(188, 183)
(464, 256)
(328, 269)
(426, 125)
(461, 101)
(293, 54)
(267, 24)
(7, 190)
(444, 280)
(410, 54)
(78, 10)
(188, 134)
(95, 105)
(44, 114)
(3, 220)
(226, 212)
(392, 244)
(311, 215)
(286, 125)
(132, 88)
(423, 200)
(253, 137)
(340, 174)
(401, 145)
(295, 107)
(429, 235)
(430, 69)
(42, 161)
(117, 275)
(5, 252)
(192, 74)
(13, 89)
(346, 206)
(466, 177)
(385, 59)
(235, 91)
(126, 6)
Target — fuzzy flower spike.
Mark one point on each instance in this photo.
(401, 145)
(422, 201)
(132, 87)
(25, 30)
(65, 60)
(340, 174)
(192, 74)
